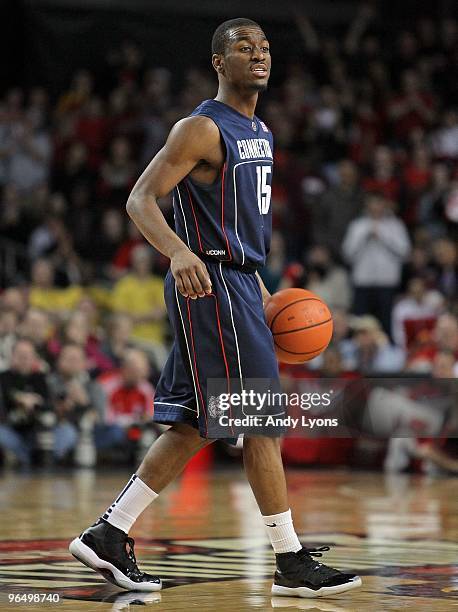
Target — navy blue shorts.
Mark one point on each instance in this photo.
(221, 336)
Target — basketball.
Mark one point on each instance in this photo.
(301, 324)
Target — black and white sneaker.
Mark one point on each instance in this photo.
(109, 551)
(299, 575)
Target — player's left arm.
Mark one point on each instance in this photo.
(265, 293)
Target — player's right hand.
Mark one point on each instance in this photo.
(190, 274)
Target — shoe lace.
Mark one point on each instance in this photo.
(308, 553)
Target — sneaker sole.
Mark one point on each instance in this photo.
(88, 557)
(310, 593)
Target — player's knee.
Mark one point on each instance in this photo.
(190, 436)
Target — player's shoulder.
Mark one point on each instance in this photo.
(196, 125)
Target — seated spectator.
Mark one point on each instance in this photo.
(372, 351)
(327, 279)
(24, 394)
(376, 245)
(443, 337)
(140, 295)
(14, 299)
(36, 326)
(417, 305)
(8, 336)
(117, 340)
(74, 395)
(77, 331)
(428, 455)
(129, 397)
(45, 296)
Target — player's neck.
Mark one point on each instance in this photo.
(242, 103)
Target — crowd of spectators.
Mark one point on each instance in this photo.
(365, 213)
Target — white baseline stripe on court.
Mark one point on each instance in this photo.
(187, 346)
(252, 161)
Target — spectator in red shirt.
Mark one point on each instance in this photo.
(383, 178)
(412, 107)
(129, 397)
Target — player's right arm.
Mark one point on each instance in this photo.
(190, 141)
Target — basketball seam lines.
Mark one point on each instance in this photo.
(302, 352)
(290, 331)
(291, 304)
(187, 346)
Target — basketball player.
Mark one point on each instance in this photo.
(218, 162)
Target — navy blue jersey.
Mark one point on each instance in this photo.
(230, 220)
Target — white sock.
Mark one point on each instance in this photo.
(129, 504)
(281, 532)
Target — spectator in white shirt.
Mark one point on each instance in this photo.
(376, 245)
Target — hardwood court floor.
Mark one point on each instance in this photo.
(204, 537)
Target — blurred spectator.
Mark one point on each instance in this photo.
(140, 295)
(376, 245)
(92, 129)
(45, 296)
(327, 279)
(129, 398)
(443, 337)
(74, 172)
(109, 239)
(383, 178)
(74, 395)
(29, 154)
(339, 205)
(372, 351)
(78, 93)
(432, 204)
(429, 455)
(24, 393)
(117, 340)
(412, 107)
(445, 138)
(445, 260)
(8, 326)
(77, 330)
(117, 172)
(272, 272)
(36, 326)
(417, 305)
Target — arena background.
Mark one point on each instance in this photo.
(363, 104)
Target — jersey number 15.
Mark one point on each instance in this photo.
(264, 189)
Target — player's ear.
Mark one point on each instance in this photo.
(218, 63)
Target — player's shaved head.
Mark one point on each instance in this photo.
(222, 33)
